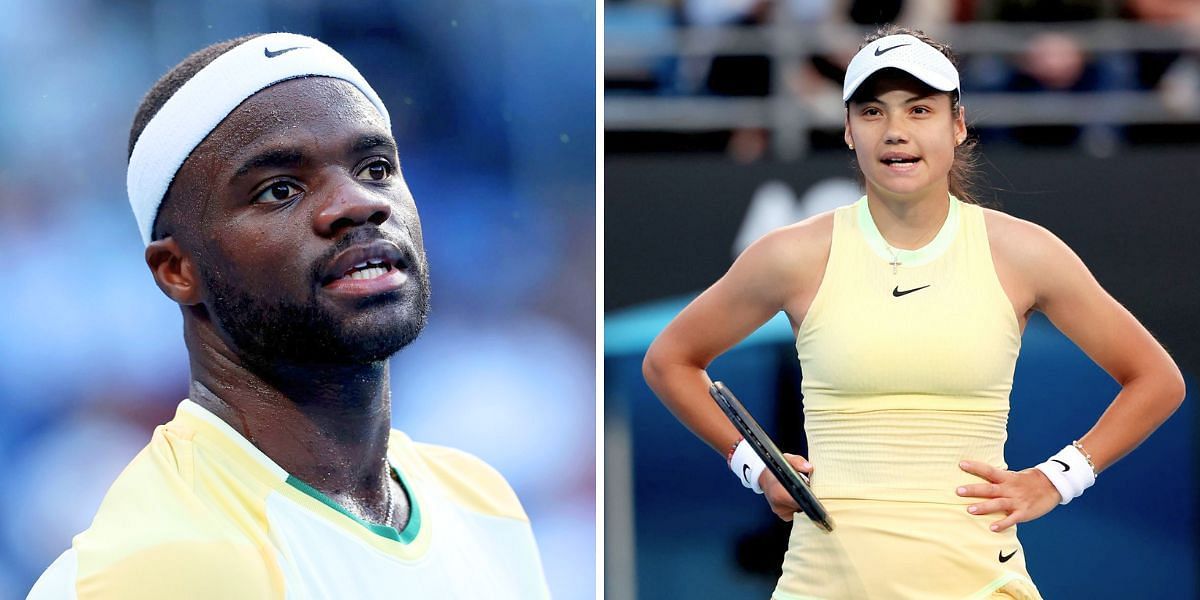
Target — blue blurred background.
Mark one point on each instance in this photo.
(493, 104)
(723, 120)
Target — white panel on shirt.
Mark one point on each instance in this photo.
(58, 581)
(469, 556)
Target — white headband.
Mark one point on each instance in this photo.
(206, 99)
(903, 52)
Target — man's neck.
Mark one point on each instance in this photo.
(327, 425)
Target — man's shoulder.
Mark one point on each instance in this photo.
(204, 568)
(471, 482)
(153, 503)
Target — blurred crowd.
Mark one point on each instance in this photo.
(502, 166)
(1060, 55)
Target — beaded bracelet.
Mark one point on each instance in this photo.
(732, 449)
(1086, 456)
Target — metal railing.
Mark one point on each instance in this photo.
(786, 45)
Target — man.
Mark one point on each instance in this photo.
(266, 185)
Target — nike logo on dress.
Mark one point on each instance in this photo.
(897, 293)
(880, 51)
(1066, 467)
(746, 474)
(274, 53)
(1004, 558)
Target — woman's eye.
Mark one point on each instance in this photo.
(921, 110)
(376, 171)
(277, 191)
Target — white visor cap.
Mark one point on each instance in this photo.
(903, 52)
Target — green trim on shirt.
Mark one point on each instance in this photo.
(405, 536)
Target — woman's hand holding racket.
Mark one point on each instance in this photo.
(782, 503)
(1021, 495)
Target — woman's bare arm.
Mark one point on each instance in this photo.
(772, 272)
(1152, 387)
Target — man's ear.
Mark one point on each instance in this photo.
(173, 271)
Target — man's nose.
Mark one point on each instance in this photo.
(350, 204)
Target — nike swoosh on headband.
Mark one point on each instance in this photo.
(880, 51)
(274, 53)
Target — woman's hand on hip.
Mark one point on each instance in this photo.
(782, 503)
(1021, 495)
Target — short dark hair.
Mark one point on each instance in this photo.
(161, 91)
(168, 84)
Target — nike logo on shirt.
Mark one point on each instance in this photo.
(897, 293)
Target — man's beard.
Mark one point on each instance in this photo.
(265, 332)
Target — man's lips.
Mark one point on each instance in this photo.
(386, 281)
(375, 267)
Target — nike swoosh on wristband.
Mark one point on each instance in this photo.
(897, 293)
(880, 51)
(274, 53)
(746, 474)
(1004, 558)
(1066, 467)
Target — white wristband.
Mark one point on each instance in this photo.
(1070, 473)
(747, 466)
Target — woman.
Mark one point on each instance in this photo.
(908, 308)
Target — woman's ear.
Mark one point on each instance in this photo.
(846, 133)
(960, 126)
(173, 271)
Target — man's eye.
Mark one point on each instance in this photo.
(376, 171)
(277, 191)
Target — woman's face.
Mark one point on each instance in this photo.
(904, 134)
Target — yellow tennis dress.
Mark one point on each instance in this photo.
(908, 359)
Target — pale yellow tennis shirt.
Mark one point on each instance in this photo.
(202, 513)
(907, 360)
